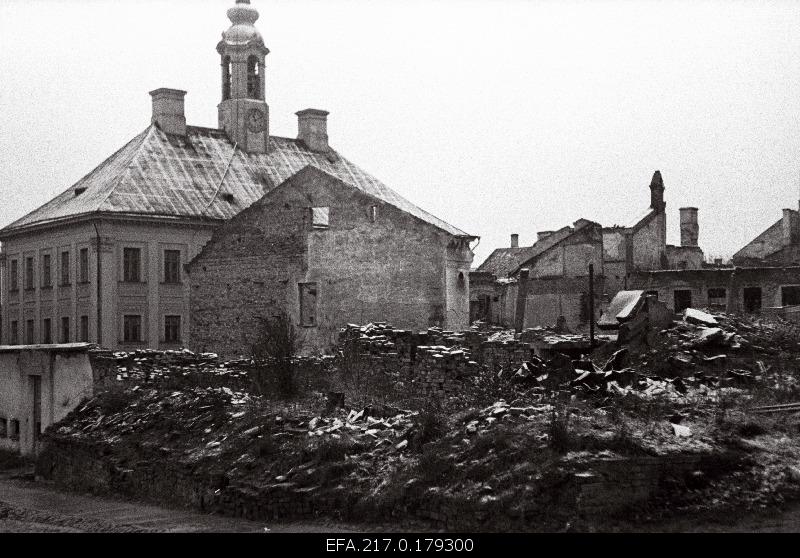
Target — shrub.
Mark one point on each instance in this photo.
(431, 425)
(273, 355)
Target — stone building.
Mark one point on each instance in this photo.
(327, 252)
(536, 285)
(778, 245)
(104, 260)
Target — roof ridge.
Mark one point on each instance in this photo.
(144, 136)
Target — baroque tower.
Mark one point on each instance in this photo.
(243, 112)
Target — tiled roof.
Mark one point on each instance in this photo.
(504, 261)
(166, 175)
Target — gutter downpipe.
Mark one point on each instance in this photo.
(99, 290)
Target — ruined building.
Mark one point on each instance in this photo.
(105, 260)
(536, 285)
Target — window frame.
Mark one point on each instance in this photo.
(127, 275)
(13, 275)
(30, 273)
(178, 328)
(304, 288)
(47, 271)
(84, 329)
(83, 265)
(65, 331)
(177, 279)
(65, 271)
(47, 331)
(324, 213)
(139, 324)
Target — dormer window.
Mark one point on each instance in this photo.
(228, 197)
(79, 191)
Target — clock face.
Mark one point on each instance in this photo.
(256, 121)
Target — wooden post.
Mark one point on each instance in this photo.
(591, 306)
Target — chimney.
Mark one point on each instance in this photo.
(657, 192)
(168, 110)
(515, 241)
(790, 227)
(689, 227)
(542, 235)
(312, 129)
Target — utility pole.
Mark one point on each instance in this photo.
(591, 306)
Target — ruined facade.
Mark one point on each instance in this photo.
(326, 253)
(778, 245)
(104, 260)
(536, 285)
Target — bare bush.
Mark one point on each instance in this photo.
(273, 355)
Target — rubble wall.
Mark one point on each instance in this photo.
(649, 243)
(392, 268)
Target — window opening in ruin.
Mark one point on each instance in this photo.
(131, 328)
(85, 329)
(172, 266)
(13, 284)
(13, 429)
(226, 78)
(752, 299)
(14, 332)
(462, 283)
(3, 427)
(172, 329)
(373, 213)
(717, 298)
(683, 300)
(47, 331)
(651, 293)
(47, 279)
(29, 332)
(320, 217)
(65, 329)
(308, 304)
(64, 268)
(253, 78)
(83, 265)
(29, 274)
(790, 295)
(131, 264)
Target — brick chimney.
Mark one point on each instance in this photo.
(657, 192)
(789, 227)
(515, 241)
(312, 129)
(689, 227)
(168, 110)
(541, 235)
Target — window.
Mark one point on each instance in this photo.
(226, 78)
(47, 331)
(131, 328)
(65, 268)
(13, 284)
(373, 213)
(172, 329)
(652, 293)
(85, 329)
(14, 332)
(462, 283)
(683, 300)
(717, 297)
(83, 265)
(253, 78)
(790, 295)
(29, 273)
(172, 266)
(752, 299)
(3, 427)
(13, 429)
(319, 217)
(47, 278)
(308, 304)
(65, 329)
(131, 261)
(29, 332)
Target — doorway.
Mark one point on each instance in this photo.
(752, 299)
(683, 300)
(36, 392)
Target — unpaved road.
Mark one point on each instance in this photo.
(27, 506)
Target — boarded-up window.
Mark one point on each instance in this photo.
(131, 265)
(131, 328)
(83, 265)
(319, 217)
(172, 266)
(65, 268)
(308, 304)
(172, 329)
(790, 295)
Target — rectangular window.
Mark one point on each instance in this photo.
(29, 273)
(172, 266)
(65, 275)
(131, 328)
(83, 265)
(752, 299)
(319, 217)
(172, 329)
(13, 280)
(131, 262)
(13, 429)
(717, 298)
(790, 295)
(47, 331)
(3, 427)
(683, 300)
(373, 213)
(85, 329)
(308, 304)
(29, 332)
(14, 332)
(65, 329)
(47, 278)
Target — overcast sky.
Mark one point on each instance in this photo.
(496, 116)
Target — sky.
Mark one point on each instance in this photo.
(500, 117)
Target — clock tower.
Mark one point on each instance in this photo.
(243, 112)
